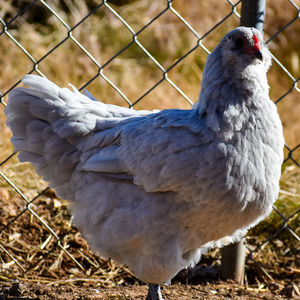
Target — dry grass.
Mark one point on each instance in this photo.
(167, 39)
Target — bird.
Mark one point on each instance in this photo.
(155, 189)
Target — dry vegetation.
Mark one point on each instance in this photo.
(167, 39)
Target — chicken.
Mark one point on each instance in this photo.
(153, 190)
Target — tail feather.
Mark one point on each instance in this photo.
(40, 85)
(42, 122)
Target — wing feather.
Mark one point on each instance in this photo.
(160, 151)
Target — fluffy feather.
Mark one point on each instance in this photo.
(154, 189)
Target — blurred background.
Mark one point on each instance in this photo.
(146, 55)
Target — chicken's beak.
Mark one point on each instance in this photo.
(258, 55)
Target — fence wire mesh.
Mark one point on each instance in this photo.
(141, 54)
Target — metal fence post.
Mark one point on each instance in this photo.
(233, 261)
(253, 14)
(233, 256)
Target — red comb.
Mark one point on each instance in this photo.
(256, 46)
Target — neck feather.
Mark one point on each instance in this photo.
(230, 93)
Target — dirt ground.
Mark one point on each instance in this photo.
(218, 290)
(51, 274)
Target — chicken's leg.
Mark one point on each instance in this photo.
(154, 292)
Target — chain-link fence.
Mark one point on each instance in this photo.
(141, 54)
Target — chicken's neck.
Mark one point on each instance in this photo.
(229, 99)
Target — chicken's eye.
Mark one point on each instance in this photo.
(239, 43)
